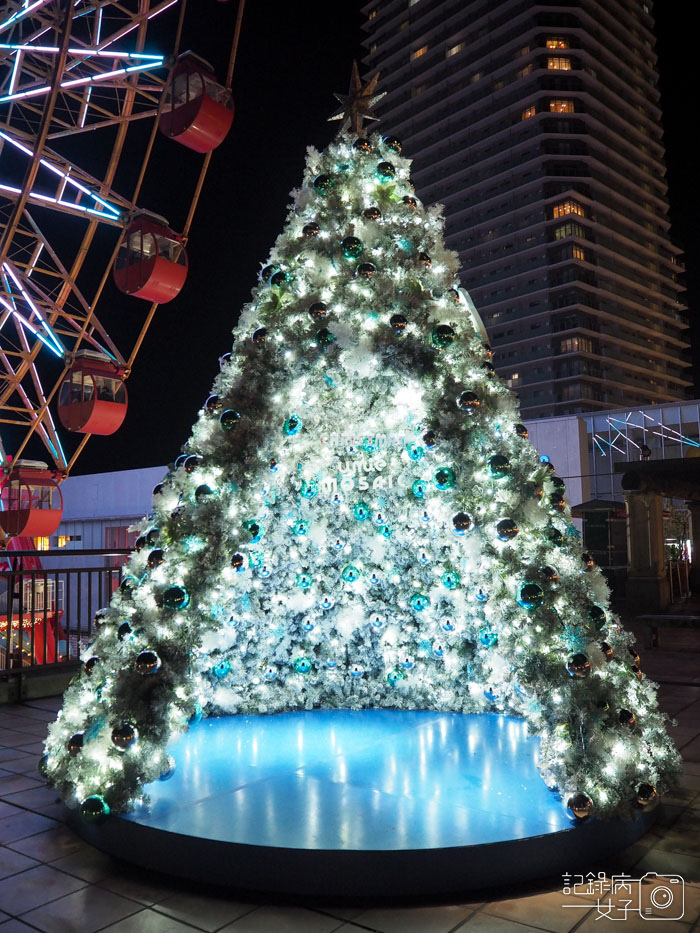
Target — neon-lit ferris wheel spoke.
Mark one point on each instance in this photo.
(20, 14)
(25, 323)
(65, 176)
(81, 82)
(59, 349)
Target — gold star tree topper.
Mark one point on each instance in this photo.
(357, 104)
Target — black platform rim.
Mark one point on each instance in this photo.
(356, 873)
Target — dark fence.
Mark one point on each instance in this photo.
(47, 614)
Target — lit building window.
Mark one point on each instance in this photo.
(524, 71)
(576, 345)
(416, 53)
(557, 42)
(513, 379)
(454, 49)
(561, 106)
(569, 229)
(42, 544)
(559, 64)
(528, 112)
(373, 14)
(417, 91)
(568, 207)
(578, 253)
(477, 76)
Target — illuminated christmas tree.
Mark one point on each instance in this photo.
(359, 520)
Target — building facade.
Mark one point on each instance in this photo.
(538, 127)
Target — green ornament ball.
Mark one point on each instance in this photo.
(43, 767)
(229, 419)
(94, 809)
(323, 184)
(386, 171)
(324, 338)
(442, 336)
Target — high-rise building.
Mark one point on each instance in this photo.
(538, 126)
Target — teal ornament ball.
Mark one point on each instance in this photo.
(309, 490)
(487, 637)
(43, 767)
(444, 478)
(350, 574)
(255, 530)
(442, 336)
(323, 184)
(531, 596)
(361, 511)
(418, 488)
(419, 602)
(450, 580)
(89, 665)
(300, 528)
(222, 668)
(499, 466)
(176, 597)
(229, 419)
(394, 677)
(302, 665)
(303, 580)
(94, 809)
(351, 247)
(292, 425)
(415, 452)
(386, 171)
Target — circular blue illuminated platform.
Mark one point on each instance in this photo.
(358, 803)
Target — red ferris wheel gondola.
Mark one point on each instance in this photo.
(151, 262)
(198, 111)
(31, 502)
(93, 398)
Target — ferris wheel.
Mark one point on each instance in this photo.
(84, 96)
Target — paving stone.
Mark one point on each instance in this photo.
(89, 909)
(21, 893)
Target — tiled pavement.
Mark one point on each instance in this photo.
(51, 880)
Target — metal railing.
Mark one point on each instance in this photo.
(47, 615)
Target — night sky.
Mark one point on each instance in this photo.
(290, 62)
